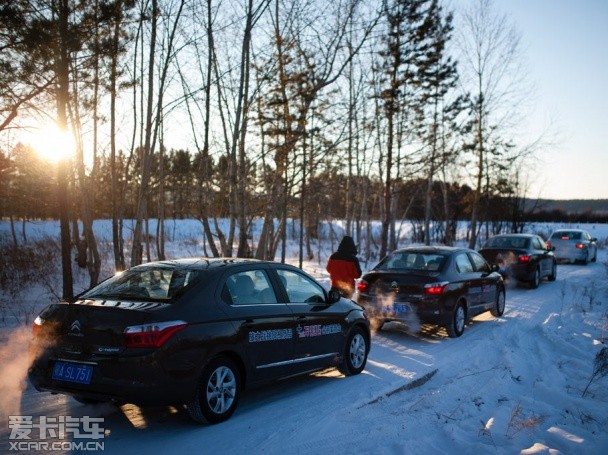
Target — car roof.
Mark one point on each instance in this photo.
(203, 263)
(439, 249)
(513, 235)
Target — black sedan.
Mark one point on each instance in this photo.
(441, 285)
(523, 257)
(195, 332)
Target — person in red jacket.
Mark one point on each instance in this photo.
(343, 267)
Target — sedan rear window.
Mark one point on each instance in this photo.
(566, 235)
(412, 261)
(508, 242)
(163, 283)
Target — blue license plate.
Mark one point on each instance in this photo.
(72, 372)
(400, 308)
(395, 308)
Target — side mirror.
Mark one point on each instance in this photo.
(594, 239)
(333, 296)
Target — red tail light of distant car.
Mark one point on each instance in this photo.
(362, 286)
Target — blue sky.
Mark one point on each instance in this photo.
(566, 43)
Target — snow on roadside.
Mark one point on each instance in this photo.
(508, 385)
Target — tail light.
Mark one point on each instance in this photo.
(362, 286)
(435, 288)
(548, 245)
(580, 246)
(524, 258)
(37, 325)
(152, 335)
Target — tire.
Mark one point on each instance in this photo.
(456, 325)
(594, 256)
(553, 275)
(355, 353)
(218, 392)
(499, 307)
(536, 279)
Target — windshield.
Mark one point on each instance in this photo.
(161, 283)
(411, 260)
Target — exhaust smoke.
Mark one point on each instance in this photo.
(15, 361)
(386, 309)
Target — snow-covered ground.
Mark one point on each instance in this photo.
(509, 385)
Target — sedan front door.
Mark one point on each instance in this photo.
(320, 327)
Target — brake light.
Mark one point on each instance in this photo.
(37, 325)
(565, 237)
(435, 288)
(548, 245)
(580, 246)
(362, 286)
(152, 335)
(524, 258)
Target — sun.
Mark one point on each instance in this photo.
(52, 143)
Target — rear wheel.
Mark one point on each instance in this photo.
(535, 279)
(456, 325)
(355, 352)
(218, 392)
(553, 275)
(499, 308)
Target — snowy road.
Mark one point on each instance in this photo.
(535, 359)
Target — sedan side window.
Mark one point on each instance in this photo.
(537, 244)
(463, 264)
(300, 288)
(480, 263)
(246, 288)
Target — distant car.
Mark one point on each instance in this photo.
(195, 332)
(574, 245)
(523, 257)
(440, 285)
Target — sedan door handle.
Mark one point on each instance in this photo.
(248, 323)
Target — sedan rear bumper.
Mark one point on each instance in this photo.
(430, 311)
(139, 380)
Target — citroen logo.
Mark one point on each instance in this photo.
(394, 286)
(75, 329)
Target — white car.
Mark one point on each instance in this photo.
(573, 245)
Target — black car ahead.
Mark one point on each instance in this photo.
(523, 257)
(195, 332)
(441, 285)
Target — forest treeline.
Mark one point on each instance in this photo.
(276, 109)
